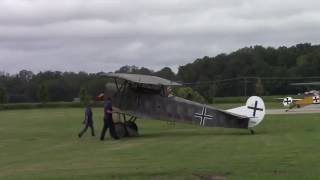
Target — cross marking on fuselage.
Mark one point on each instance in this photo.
(255, 108)
(203, 116)
(315, 99)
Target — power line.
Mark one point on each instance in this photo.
(245, 78)
(212, 82)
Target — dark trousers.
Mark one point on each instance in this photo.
(85, 129)
(108, 123)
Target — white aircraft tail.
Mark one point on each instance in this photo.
(287, 101)
(254, 109)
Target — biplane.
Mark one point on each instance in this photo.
(290, 102)
(309, 98)
(149, 97)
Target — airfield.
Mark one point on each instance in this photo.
(311, 109)
(43, 144)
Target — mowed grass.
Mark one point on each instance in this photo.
(43, 144)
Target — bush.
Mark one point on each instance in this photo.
(84, 97)
(43, 94)
(188, 93)
(3, 96)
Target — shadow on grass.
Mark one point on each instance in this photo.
(194, 133)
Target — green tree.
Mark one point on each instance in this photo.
(188, 93)
(143, 70)
(127, 69)
(165, 73)
(259, 89)
(3, 95)
(84, 96)
(43, 93)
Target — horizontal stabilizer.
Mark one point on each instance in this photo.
(254, 110)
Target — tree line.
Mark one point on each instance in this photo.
(247, 71)
(52, 86)
(48, 86)
(256, 70)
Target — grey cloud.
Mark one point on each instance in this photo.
(74, 35)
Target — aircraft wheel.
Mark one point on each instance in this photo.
(132, 129)
(252, 131)
(132, 125)
(120, 129)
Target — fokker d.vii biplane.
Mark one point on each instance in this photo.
(149, 97)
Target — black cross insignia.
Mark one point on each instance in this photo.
(315, 99)
(287, 101)
(203, 116)
(255, 108)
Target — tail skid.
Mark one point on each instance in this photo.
(254, 110)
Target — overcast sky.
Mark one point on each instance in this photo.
(103, 35)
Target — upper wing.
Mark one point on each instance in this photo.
(143, 79)
(305, 84)
(288, 101)
(281, 99)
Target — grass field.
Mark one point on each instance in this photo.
(43, 144)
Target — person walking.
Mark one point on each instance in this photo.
(88, 121)
(107, 121)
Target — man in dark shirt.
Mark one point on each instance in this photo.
(108, 122)
(87, 121)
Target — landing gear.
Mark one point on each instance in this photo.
(120, 129)
(124, 127)
(132, 129)
(252, 131)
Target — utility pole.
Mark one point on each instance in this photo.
(245, 86)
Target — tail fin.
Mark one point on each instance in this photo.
(287, 101)
(254, 109)
(315, 100)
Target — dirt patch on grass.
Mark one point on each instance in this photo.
(211, 176)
